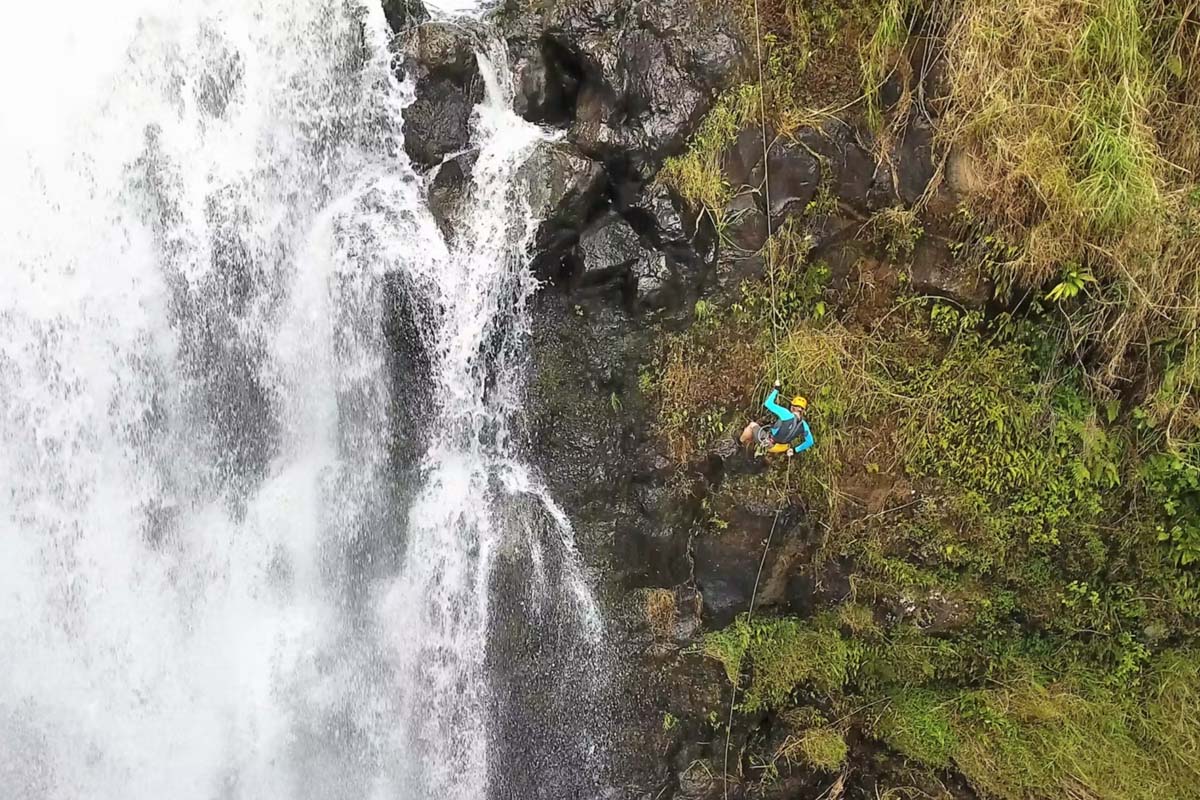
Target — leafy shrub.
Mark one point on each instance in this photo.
(984, 428)
(1173, 484)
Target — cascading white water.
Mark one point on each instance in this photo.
(198, 502)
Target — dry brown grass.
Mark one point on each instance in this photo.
(1058, 104)
(705, 383)
(660, 612)
(1084, 116)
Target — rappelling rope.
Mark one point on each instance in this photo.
(737, 680)
(762, 122)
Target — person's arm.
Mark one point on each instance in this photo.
(808, 439)
(774, 407)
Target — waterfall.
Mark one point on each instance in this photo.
(217, 577)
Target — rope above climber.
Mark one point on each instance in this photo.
(790, 427)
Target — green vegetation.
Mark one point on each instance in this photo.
(917, 722)
(879, 57)
(696, 175)
(1018, 490)
(1028, 733)
(786, 653)
(896, 230)
(1064, 739)
(797, 87)
(1063, 528)
(1083, 115)
(822, 748)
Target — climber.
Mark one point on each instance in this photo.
(791, 426)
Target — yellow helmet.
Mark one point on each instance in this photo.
(800, 402)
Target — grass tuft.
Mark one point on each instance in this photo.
(821, 748)
(696, 175)
(1083, 116)
(660, 612)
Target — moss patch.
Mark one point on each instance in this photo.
(821, 748)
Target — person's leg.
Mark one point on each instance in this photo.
(748, 433)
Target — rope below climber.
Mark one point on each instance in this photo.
(790, 427)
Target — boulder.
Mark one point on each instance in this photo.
(965, 177)
(439, 58)
(852, 169)
(654, 281)
(912, 157)
(546, 83)
(793, 178)
(832, 155)
(935, 271)
(662, 219)
(447, 190)
(656, 213)
(903, 176)
(404, 14)
(743, 160)
(746, 224)
(610, 249)
(444, 49)
(647, 71)
(564, 190)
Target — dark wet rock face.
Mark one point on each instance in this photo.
(634, 78)
(913, 157)
(935, 271)
(609, 249)
(450, 183)
(564, 190)
(547, 83)
(743, 161)
(439, 57)
(746, 223)
(656, 214)
(627, 82)
(404, 14)
(791, 181)
(852, 169)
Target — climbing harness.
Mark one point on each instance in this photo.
(763, 438)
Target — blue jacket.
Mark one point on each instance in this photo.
(787, 424)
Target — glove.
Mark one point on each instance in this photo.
(791, 452)
(778, 385)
